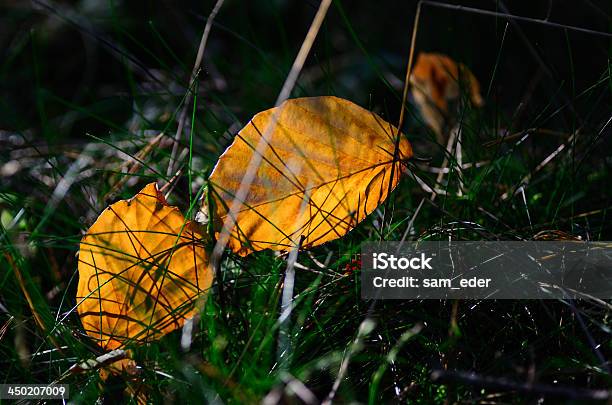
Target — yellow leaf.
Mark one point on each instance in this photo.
(141, 268)
(326, 165)
(436, 80)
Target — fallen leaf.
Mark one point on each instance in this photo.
(141, 269)
(437, 79)
(326, 165)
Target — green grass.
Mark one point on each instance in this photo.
(103, 104)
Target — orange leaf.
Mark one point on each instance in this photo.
(326, 165)
(141, 268)
(436, 80)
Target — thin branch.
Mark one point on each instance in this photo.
(415, 30)
(257, 157)
(194, 75)
(505, 384)
(516, 17)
